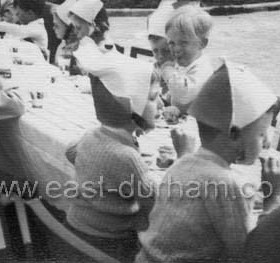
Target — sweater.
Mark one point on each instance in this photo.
(109, 165)
(194, 221)
(193, 76)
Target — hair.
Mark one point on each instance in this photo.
(37, 6)
(192, 21)
(275, 110)
(101, 26)
(206, 132)
(4, 6)
(155, 38)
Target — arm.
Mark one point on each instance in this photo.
(271, 184)
(183, 142)
(184, 86)
(144, 191)
(232, 218)
(11, 104)
(21, 31)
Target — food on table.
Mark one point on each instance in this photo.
(166, 157)
(171, 115)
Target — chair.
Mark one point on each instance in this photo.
(66, 235)
(21, 215)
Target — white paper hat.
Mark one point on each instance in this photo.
(63, 10)
(158, 19)
(122, 76)
(87, 9)
(233, 96)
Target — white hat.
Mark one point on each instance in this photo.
(87, 9)
(233, 96)
(63, 10)
(158, 19)
(123, 76)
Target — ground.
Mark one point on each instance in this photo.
(252, 39)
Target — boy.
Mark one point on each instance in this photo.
(203, 212)
(188, 33)
(125, 100)
(164, 65)
(29, 13)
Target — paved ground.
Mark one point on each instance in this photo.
(253, 39)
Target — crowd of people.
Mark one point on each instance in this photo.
(189, 221)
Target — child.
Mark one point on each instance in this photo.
(29, 13)
(202, 212)
(164, 64)
(188, 34)
(64, 30)
(89, 18)
(124, 102)
(7, 12)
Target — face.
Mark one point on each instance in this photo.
(151, 109)
(82, 28)
(254, 138)
(184, 48)
(8, 15)
(24, 17)
(161, 50)
(59, 27)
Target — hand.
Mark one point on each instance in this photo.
(183, 143)
(176, 81)
(270, 181)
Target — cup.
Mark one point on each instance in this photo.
(64, 64)
(37, 99)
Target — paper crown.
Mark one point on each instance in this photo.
(110, 110)
(232, 97)
(121, 75)
(87, 9)
(158, 19)
(63, 10)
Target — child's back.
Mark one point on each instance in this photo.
(193, 225)
(203, 212)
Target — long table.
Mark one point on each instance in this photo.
(34, 145)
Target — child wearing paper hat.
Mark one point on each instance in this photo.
(124, 101)
(213, 213)
(89, 18)
(64, 30)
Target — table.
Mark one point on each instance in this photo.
(39, 139)
(35, 144)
